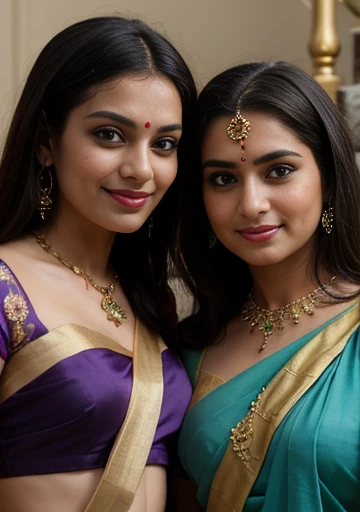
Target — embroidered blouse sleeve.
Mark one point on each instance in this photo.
(14, 311)
(5, 279)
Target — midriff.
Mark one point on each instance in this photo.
(58, 492)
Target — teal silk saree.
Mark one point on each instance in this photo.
(312, 461)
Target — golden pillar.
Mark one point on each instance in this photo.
(324, 45)
(354, 6)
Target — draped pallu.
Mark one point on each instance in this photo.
(298, 447)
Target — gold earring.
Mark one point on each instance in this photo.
(238, 130)
(45, 202)
(327, 219)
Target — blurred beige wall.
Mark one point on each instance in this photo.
(211, 34)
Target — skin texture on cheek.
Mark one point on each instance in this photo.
(106, 146)
(276, 192)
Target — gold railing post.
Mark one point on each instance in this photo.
(324, 45)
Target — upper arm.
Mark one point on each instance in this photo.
(16, 329)
(4, 331)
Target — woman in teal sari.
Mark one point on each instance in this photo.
(269, 247)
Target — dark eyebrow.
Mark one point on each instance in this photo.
(225, 164)
(128, 122)
(169, 128)
(114, 117)
(273, 155)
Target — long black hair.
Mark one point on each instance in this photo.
(66, 73)
(221, 281)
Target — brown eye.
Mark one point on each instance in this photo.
(221, 179)
(165, 144)
(281, 171)
(109, 135)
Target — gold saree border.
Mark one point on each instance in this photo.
(234, 478)
(51, 348)
(206, 383)
(130, 452)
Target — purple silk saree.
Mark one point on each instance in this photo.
(64, 393)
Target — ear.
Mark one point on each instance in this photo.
(43, 142)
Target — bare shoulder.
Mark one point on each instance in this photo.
(19, 251)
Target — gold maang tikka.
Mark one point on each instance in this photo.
(238, 130)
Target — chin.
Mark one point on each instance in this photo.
(131, 226)
(266, 262)
(128, 231)
(261, 260)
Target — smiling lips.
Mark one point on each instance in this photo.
(130, 198)
(260, 233)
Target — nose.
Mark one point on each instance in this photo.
(136, 164)
(253, 200)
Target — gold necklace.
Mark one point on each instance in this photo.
(267, 320)
(115, 313)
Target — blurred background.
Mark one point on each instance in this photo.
(211, 34)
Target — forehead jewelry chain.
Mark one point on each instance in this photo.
(238, 130)
(267, 320)
(115, 313)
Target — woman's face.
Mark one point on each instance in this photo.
(265, 209)
(117, 155)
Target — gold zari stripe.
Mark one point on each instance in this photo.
(128, 457)
(205, 384)
(235, 477)
(41, 354)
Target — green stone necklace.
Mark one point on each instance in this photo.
(267, 320)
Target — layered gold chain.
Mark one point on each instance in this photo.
(115, 313)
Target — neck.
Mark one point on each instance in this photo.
(83, 244)
(277, 285)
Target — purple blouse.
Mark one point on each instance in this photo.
(67, 418)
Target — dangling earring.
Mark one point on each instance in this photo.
(327, 219)
(44, 192)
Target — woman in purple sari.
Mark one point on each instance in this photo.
(89, 391)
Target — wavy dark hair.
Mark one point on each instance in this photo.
(67, 72)
(221, 281)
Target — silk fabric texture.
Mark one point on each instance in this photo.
(313, 460)
(64, 395)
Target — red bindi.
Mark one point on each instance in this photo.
(147, 125)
